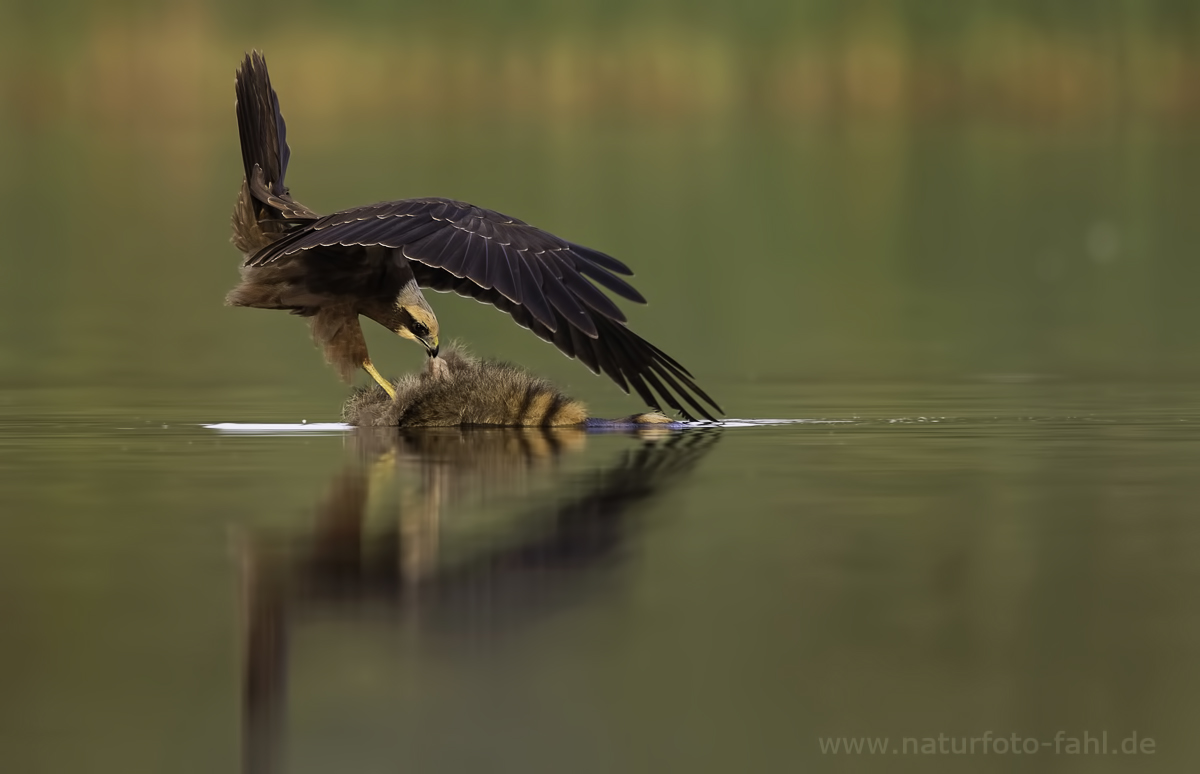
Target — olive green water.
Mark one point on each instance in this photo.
(998, 535)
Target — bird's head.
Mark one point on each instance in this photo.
(415, 318)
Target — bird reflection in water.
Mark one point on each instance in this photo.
(558, 545)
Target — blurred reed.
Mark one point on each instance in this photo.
(132, 68)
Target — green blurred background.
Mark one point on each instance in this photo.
(974, 211)
(807, 190)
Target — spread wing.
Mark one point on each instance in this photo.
(542, 281)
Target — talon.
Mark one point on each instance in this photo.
(384, 383)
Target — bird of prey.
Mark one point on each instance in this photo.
(374, 260)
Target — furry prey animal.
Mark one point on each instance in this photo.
(456, 389)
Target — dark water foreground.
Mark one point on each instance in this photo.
(1016, 560)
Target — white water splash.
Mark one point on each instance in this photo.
(261, 427)
(766, 422)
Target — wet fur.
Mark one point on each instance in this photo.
(456, 389)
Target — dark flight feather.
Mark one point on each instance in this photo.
(263, 135)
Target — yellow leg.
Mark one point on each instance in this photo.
(384, 383)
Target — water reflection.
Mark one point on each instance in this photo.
(341, 565)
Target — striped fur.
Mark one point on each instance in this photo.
(456, 389)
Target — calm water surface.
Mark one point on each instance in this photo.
(948, 559)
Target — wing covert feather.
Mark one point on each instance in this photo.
(545, 283)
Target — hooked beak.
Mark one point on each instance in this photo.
(431, 345)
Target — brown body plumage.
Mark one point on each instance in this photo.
(372, 262)
(328, 289)
(456, 389)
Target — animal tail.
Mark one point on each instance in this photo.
(634, 420)
(264, 209)
(260, 126)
